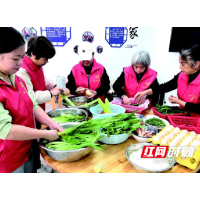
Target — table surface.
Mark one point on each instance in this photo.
(113, 160)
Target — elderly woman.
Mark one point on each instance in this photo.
(136, 78)
(187, 82)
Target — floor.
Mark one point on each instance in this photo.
(45, 167)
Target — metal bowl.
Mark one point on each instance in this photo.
(80, 99)
(75, 111)
(140, 169)
(66, 156)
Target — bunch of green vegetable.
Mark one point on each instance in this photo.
(106, 106)
(155, 122)
(166, 110)
(87, 133)
(68, 118)
(121, 123)
(76, 141)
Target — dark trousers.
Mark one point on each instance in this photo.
(36, 150)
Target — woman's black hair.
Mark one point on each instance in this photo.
(10, 39)
(41, 47)
(191, 54)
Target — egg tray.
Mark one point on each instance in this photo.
(190, 162)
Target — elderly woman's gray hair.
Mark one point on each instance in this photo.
(141, 57)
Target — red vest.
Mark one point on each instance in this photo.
(36, 75)
(94, 81)
(20, 107)
(131, 86)
(189, 92)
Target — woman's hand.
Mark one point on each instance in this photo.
(90, 93)
(139, 96)
(56, 126)
(56, 91)
(141, 100)
(51, 135)
(81, 91)
(126, 100)
(177, 101)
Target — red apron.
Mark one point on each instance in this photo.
(94, 81)
(36, 75)
(189, 92)
(20, 107)
(132, 87)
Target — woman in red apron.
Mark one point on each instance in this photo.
(88, 74)
(136, 78)
(187, 82)
(17, 108)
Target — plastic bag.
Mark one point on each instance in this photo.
(140, 108)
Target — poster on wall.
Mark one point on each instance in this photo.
(29, 32)
(116, 36)
(59, 36)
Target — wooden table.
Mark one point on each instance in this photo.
(113, 161)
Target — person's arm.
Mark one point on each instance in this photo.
(9, 131)
(166, 87)
(49, 84)
(71, 84)
(163, 88)
(105, 84)
(118, 85)
(40, 96)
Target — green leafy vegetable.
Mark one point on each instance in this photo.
(166, 110)
(76, 141)
(69, 102)
(155, 122)
(106, 106)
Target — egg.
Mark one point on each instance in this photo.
(167, 138)
(198, 139)
(184, 144)
(170, 128)
(192, 136)
(198, 136)
(193, 133)
(196, 142)
(185, 131)
(172, 144)
(174, 133)
(180, 137)
(163, 141)
(176, 141)
(159, 136)
(189, 139)
(156, 138)
(170, 136)
(177, 129)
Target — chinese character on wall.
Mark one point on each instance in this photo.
(133, 31)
